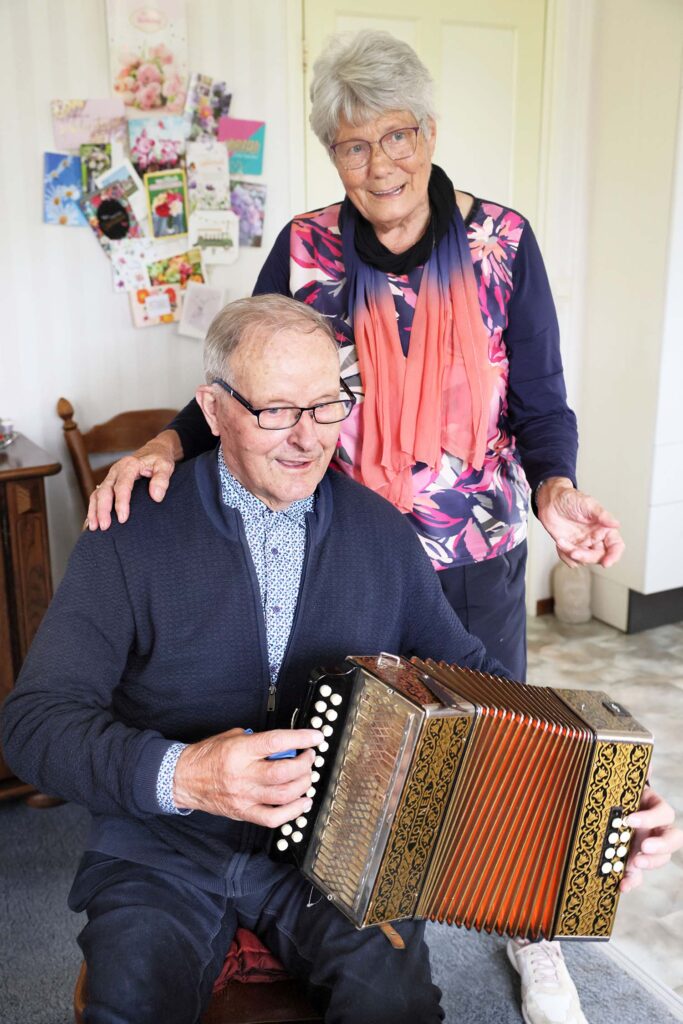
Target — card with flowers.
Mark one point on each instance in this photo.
(248, 201)
(150, 307)
(156, 143)
(148, 54)
(95, 160)
(76, 122)
(167, 202)
(208, 181)
(177, 270)
(62, 190)
(207, 101)
(129, 259)
(125, 175)
(110, 215)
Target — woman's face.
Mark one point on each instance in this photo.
(390, 193)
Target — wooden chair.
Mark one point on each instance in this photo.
(122, 433)
(241, 1001)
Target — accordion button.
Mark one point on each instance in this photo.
(618, 867)
(319, 762)
(315, 776)
(622, 851)
(297, 837)
(613, 837)
(336, 699)
(316, 722)
(609, 853)
(323, 747)
(616, 823)
(282, 844)
(301, 821)
(606, 868)
(327, 730)
(310, 792)
(320, 705)
(286, 829)
(325, 690)
(625, 836)
(331, 715)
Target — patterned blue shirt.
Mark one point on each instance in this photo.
(277, 543)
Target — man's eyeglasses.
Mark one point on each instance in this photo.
(284, 416)
(397, 144)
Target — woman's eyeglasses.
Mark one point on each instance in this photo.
(397, 144)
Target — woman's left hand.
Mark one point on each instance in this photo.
(584, 532)
(655, 839)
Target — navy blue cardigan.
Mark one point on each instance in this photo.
(156, 634)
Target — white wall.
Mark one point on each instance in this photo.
(64, 330)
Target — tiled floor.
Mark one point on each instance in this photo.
(645, 673)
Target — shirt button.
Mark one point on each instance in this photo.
(274, 551)
(276, 609)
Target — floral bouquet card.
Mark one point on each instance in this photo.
(148, 54)
(208, 181)
(110, 215)
(62, 190)
(216, 234)
(129, 259)
(248, 200)
(245, 141)
(177, 270)
(125, 175)
(207, 101)
(156, 143)
(150, 307)
(95, 160)
(200, 305)
(77, 122)
(167, 202)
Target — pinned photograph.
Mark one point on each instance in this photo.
(201, 303)
(167, 203)
(62, 191)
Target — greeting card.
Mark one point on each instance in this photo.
(248, 201)
(95, 159)
(62, 190)
(200, 305)
(77, 122)
(177, 270)
(156, 143)
(208, 182)
(167, 202)
(129, 260)
(216, 234)
(245, 141)
(125, 175)
(148, 54)
(110, 215)
(153, 306)
(207, 101)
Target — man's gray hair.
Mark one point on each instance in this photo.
(366, 74)
(260, 314)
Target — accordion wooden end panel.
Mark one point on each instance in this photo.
(463, 798)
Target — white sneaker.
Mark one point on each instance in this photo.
(549, 995)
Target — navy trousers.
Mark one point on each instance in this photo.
(154, 944)
(489, 599)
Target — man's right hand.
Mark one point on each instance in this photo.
(155, 460)
(230, 775)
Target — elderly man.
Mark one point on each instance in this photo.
(199, 620)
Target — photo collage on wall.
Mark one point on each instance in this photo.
(169, 183)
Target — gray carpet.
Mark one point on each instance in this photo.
(39, 958)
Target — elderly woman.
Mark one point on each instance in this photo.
(448, 337)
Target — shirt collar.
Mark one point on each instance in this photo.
(236, 496)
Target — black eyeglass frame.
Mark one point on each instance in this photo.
(294, 408)
(379, 142)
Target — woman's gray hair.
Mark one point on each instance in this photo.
(366, 74)
(260, 314)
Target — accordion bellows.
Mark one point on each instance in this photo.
(493, 805)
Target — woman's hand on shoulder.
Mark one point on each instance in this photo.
(155, 460)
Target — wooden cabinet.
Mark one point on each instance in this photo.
(25, 576)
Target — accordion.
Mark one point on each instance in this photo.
(446, 794)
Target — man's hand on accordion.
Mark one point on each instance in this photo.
(656, 838)
(229, 775)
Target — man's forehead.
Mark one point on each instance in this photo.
(284, 349)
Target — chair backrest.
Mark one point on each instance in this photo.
(122, 433)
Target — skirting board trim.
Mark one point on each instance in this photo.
(666, 995)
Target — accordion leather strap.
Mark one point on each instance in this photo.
(393, 936)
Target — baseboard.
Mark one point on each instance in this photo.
(545, 606)
(666, 995)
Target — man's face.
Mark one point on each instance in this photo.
(286, 369)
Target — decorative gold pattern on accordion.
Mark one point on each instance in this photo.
(419, 819)
(589, 900)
